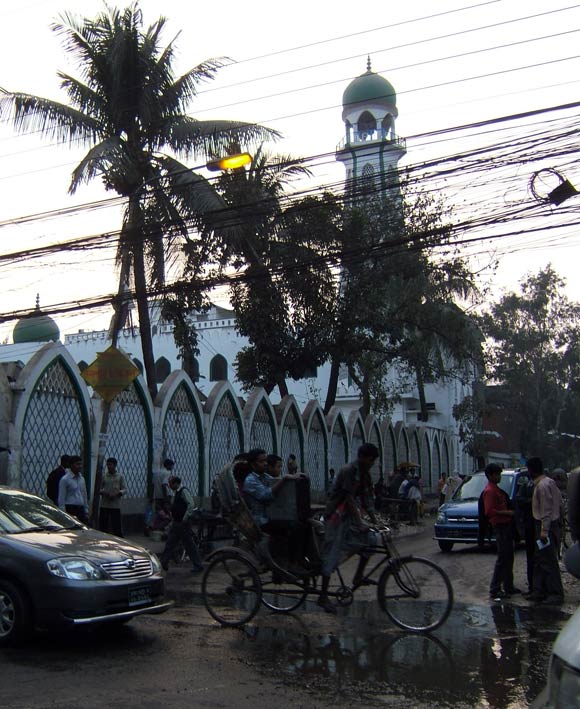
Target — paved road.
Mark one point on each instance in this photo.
(491, 655)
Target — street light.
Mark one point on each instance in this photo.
(230, 162)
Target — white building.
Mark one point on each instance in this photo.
(370, 149)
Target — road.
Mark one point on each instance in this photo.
(486, 655)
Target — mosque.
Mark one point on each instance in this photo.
(370, 149)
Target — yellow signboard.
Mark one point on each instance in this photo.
(110, 373)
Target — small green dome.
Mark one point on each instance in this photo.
(35, 327)
(369, 88)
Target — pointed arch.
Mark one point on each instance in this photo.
(130, 437)
(356, 431)
(402, 442)
(291, 430)
(436, 464)
(446, 460)
(162, 369)
(260, 420)
(316, 446)
(182, 434)
(338, 439)
(426, 464)
(225, 429)
(390, 448)
(52, 417)
(373, 435)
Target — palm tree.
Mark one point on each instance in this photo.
(127, 108)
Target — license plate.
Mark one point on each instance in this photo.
(139, 596)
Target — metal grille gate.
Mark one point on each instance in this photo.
(426, 464)
(291, 438)
(390, 457)
(129, 440)
(181, 434)
(338, 446)
(316, 454)
(53, 426)
(262, 430)
(226, 439)
(375, 439)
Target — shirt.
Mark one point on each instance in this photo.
(160, 484)
(546, 502)
(258, 495)
(72, 491)
(350, 481)
(113, 484)
(183, 507)
(494, 501)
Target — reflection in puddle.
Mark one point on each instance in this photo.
(492, 656)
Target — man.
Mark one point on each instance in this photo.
(501, 519)
(54, 477)
(274, 466)
(182, 512)
(346, 533)
(72, 491)
(524, 495)
(547, 513)
(292, 465)
(259, 491)
(112, 490)
(161, 484)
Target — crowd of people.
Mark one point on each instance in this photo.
(539, 504)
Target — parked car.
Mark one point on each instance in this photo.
(458, 521)
(54, 571)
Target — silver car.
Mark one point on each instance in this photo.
(54, 571)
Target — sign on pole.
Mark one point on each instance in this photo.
(110, 373)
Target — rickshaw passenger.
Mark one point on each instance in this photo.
(346, 533)
(259, 491)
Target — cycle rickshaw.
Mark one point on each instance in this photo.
(415, 593)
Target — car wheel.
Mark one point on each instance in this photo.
(445, 546)
(15, 618)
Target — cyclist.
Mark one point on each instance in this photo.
(345, 531)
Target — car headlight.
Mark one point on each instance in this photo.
(75, 569)
(564, 685)
(155, 564)
(441, 517)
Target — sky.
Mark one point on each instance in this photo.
(453, 63)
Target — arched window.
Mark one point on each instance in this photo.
(367, 126)
(162, 370)
(218, 369)
(82, 365)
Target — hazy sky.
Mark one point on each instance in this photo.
(473, 61)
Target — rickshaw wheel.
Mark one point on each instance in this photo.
(283, 596)
(231, 589)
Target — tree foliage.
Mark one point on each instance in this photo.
(534, 352)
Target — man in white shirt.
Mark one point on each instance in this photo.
(161, 489)
(72, 491)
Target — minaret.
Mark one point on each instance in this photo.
(370, 150)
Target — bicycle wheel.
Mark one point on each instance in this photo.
(283, 596)
(415, 593)
(231, 589)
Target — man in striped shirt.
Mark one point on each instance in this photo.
(547, 512)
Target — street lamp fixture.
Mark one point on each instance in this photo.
(230, 162)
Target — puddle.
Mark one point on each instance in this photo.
(484, 656)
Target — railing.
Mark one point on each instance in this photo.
(374, 136)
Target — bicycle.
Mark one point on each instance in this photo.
(415, 593)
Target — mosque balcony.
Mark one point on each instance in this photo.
(357, 138)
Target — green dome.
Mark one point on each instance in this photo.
(35, 328)
(369, 88)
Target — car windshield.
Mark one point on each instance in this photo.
(473, 487)
(21, 512)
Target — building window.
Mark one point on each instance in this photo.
(162, 370)
(82, 365)
(218, 369)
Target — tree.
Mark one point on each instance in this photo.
(128, 107)
(396, 320)
(534, 353)
(283, 302)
